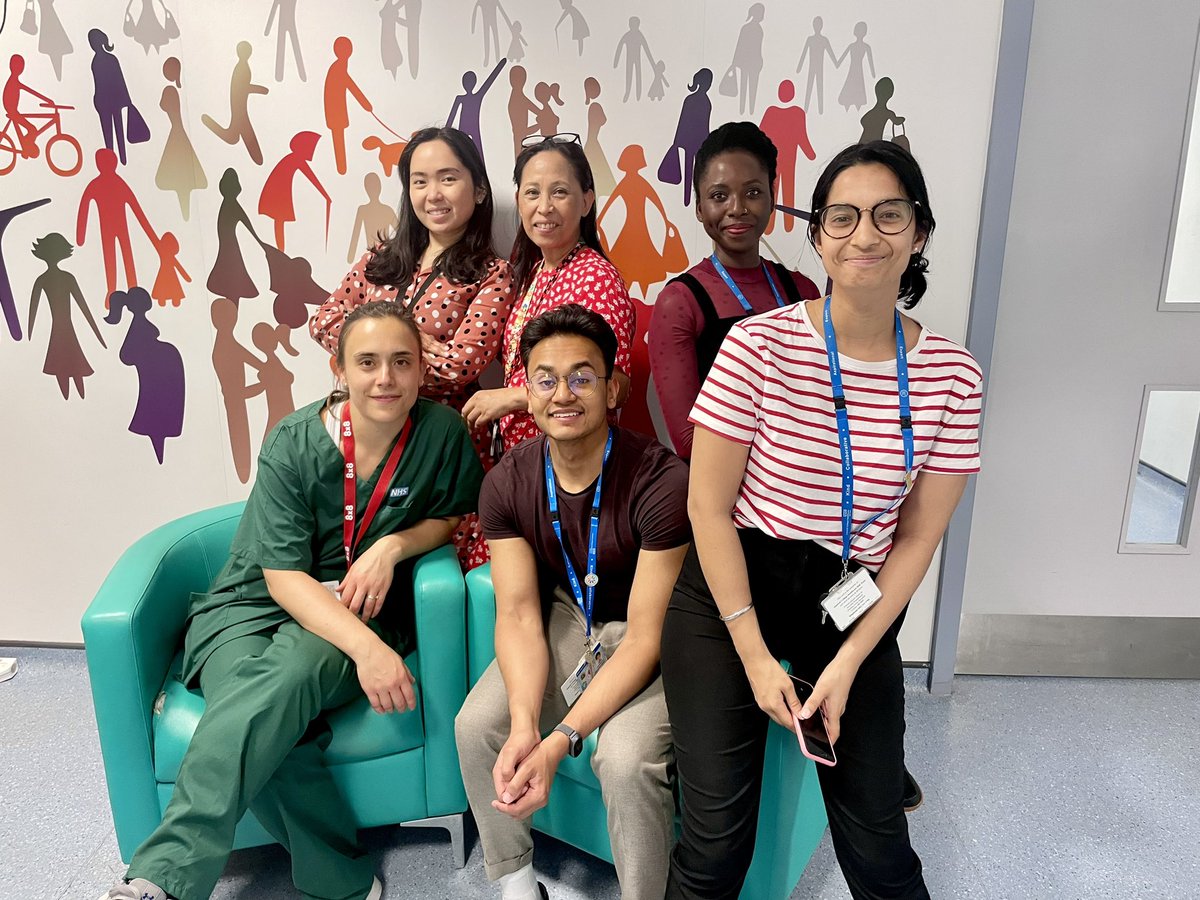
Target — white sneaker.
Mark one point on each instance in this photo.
(138, 889)
(376, 890)
(8, 668)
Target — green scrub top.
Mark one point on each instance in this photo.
(293, 521)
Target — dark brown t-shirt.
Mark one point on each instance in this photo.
(643, 506)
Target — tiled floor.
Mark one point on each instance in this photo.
(1047, 789)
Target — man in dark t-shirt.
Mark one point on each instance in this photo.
(587, 527)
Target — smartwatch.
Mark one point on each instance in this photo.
(574, 741)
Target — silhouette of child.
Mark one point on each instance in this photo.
(659, 82)
(166, 285)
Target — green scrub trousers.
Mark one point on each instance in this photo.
(258, 746)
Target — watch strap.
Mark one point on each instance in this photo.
(574, 741)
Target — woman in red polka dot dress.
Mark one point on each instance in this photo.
(440, 266)
(556, 259)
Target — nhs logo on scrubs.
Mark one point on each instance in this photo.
(397, 493)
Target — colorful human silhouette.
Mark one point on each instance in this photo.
(338, 84)
(412, 24)
(635, 414)
(602, 176)
(694, 117)
(520, 108)
(53, 41)
(14, 87)
(241, 86)
(516, 44)
(286, 9)
(875, 120)
(389, 153)
(179, 170)
(373, 220)
(787, 128)
(389, 40)
(8, 303)
(273, 375)
(466, 105)
(487, 10)
(276, 202)
(854, 90)
(167, 287)
(748, 58)
(633, 45)
(660, 82)
(816, 48)
(546, 119)
(114, 200)
(228, 277)
(65, 359)
(230, 362)
(119, 118)
(579, 25)
(147, 30)
(293, 286)
(159, 411)
(640, 263)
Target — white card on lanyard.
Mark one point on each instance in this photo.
(852, 596)
(585, 670)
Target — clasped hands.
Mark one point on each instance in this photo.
(524, 770)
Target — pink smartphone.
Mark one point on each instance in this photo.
(811, 732)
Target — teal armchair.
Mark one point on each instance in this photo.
(133, 632)
(791, 816)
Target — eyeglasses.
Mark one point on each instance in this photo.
(565, 137)
(889, 216)
(581, 383)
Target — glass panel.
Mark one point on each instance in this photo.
(1164, 483)
(1181, 290)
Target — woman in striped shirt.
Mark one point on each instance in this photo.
(832, 435)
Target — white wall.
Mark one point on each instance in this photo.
(78, 487)
(1183, 276)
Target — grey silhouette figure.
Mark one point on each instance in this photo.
(8, 303)
(64, 357)
(487, 10)
(467, 104)
(875, 120)
(520, 108)
(517, 45)
(148, 30)
(230, 360)
(389, 41)
(602, 176)
(412, 24)
(816, 48)
(854, 91)
(579, 25)
(633, 45)
(660, 81)
(240, 88)
(373, 220)
(287, 30)
(748, 58)
(273, 375)
(52, 37)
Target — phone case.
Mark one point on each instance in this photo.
(820, 760)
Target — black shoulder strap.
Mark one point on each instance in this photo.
(703, 300)
(789, 283)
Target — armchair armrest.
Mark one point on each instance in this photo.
(481, 621)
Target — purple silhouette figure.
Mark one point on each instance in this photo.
(690, 133)
(467, 104)
(112, 97)
(159, 411)
(7, 302)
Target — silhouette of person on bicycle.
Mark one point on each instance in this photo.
(26, 130)
(19, 136)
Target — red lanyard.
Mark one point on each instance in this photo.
(350, 492)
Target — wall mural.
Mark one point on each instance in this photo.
(199, 252)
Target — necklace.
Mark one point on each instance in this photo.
(530, 303)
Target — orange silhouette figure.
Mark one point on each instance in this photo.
(13, 87)
(230, 359)
(112, 196)
(634, 253)
(786, 127)
(240, 88)
(545, 117)
(275, 378)
(389, 154)
(520, 108)
(166, 285)
(338, 84)
(275, 202)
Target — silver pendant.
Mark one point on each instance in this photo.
(591, 579)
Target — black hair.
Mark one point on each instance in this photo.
(525, 253)
(744, 136)
(573, 319)
(395, 260)
(908, 173)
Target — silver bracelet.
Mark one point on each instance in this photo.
(733, 615)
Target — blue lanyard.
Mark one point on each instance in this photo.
(737, 291)
(590, 579)
(843, 423)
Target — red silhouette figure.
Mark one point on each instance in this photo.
(112, 196)
(338, 83)
(275, 202)
(786, 127)
(13, 87)
(166, 285)
(635, 414)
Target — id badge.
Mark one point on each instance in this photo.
(332, 587)
(847, 600)
(585, 670)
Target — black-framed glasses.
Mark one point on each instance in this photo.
(839, 220)
(582, 383)
(563, 137)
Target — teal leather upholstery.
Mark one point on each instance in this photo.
(392, 769)
(791, 817)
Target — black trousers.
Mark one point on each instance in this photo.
(720, 733)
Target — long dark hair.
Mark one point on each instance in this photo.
(908, 173)
(525, 253)
(395, 260)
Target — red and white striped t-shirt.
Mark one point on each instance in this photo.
(770, 389)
